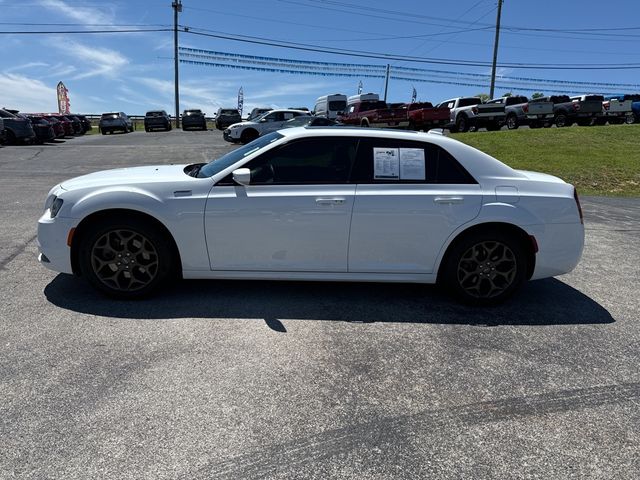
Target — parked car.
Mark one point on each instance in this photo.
(470, 112)
(245, 132)
(587, 107)
(306, 109)
(115, 122)
(193, 119)
(256, 112)
(616, 111)
(76, 123)
(333, 204)
(330, 106)
(424, 116)
(635, 105)
(61, 126)
(157, 119)
(86, 123)
(227, 117)
(367, 110)
(42, 127)
(310, 121)
(17, 129)
(519, 111)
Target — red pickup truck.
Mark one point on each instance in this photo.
(423, 116)
(415, 116)
(374, 113)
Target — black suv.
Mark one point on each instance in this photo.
(17, 129)
(193, 119)
(227, 117)
(157, 119)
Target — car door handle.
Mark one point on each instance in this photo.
(449, 200)
(329, 201)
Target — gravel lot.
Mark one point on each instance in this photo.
(243, 380)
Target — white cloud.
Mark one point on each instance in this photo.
(103, 61)
(85, 15)
(26, 94)
(26, 66)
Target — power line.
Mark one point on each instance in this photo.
(79, 32)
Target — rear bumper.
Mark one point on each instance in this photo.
(559, 248)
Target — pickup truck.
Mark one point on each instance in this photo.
(567, 112)
(635, 105)
(616, 111)
(467, 112)
(374, 113)
(589, 107)
(424, 116)
(519, 111)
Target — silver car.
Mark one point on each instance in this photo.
(115, 121)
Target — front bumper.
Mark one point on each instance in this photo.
(227, 135)
(54, 253)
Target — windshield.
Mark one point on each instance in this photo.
(216, 166)
(109, 115)
(193, 112)
(338, 105)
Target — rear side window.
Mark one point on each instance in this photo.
(406, 162)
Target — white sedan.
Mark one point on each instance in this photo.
(271, 121)
(343, 204)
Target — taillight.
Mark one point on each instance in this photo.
(474, 110)
(525, 108)
(575, 196)
(576, 106)
(606, 105)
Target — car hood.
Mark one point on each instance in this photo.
(243, 124)
(127, 176)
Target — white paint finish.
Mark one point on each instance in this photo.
(310, 276)
(401, 228)
(560, 248)
(279, 228)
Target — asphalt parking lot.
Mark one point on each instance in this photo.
(243, 380)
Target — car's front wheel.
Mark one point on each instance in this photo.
(125, 258)
(485, 268)
(248, 135)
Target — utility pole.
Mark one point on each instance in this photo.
(495, 51)
(386, 82)
(177, 8)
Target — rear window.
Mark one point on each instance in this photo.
(193, 112)
(594, 98)
(109, 115)
(559, 98)
(5, 114)
(338, 105)
(467, 102)
(516, 100)
(154, 114)
(229, 112)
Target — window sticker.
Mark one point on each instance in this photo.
(412, 164)
(386, 163)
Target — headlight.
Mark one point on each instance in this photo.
(49, 202)
(55, 206)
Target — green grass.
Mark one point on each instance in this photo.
(597, 160)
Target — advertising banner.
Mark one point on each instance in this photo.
(240, 100)
(64, 107)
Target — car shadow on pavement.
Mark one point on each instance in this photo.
(542, 302)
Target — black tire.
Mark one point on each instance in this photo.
(104, 132)
(248, 135)
(462, 123)
(146, 129)
(364, 123)
(493, 127)
(484, 267)
(146, 261)
(534, 125)
(512, 122)
(561, 120)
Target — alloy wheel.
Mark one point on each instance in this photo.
(487, 269)
(124, 260)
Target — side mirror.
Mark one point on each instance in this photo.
(242, 176)
(263, 120)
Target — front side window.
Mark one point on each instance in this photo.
(381, 161)
(319, 160)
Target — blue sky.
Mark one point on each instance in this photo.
(134, 72)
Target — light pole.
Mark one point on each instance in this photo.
(495, 50)
(177, 8)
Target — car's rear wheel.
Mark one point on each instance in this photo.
(512, 122)
(125, 258)
(561, 120)
(485, 268)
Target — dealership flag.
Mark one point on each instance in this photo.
(240, 100)
(414, 95)
(360, 87)
(64, 107)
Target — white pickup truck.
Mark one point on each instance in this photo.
(467, 112)
(615, 111)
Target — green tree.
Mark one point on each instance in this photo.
(483, 96)
(537, 95)
(507, 94)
